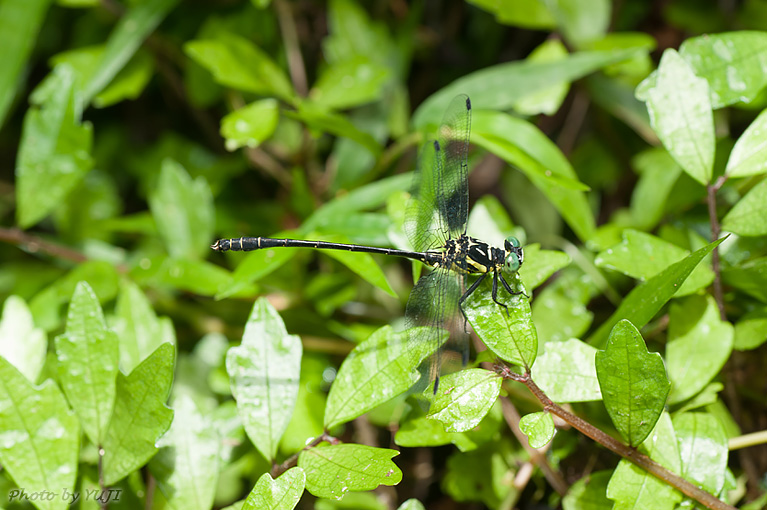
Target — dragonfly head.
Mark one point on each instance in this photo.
(514, 255)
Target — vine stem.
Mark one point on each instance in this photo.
(715, 233)
(625, 451)
(278, 469)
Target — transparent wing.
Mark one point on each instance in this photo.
(439, 207)
(452, 186)
(429, 316)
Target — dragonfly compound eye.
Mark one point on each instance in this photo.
(511, 242)
(512, 262)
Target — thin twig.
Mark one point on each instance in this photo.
(292, 47)
(625, 451)
(278, 469)
(715, 233)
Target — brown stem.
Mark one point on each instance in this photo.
(715, 233)
(625, 451)
(278, 469)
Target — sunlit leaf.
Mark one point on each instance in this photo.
(538, 427)
(264, 374)
(21, 343)
(566, 372)
(350, 83)
(749, 155)
(332, 471)
(280, 494)
(633, 383)
(703, 449)
(251, 125)
(464, 398)
(749, 215)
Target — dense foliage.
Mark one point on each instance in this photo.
(624, 143)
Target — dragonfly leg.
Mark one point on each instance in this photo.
(509, 289)
(465, 296)
(495, 292)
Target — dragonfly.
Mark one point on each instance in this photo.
(435, 223)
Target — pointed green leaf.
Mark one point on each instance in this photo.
(280, 494)
(751, 330)
(566, 372)
(703, 449)
(350, 83)
(21, 343)
(332, 471)
(140, 331)
(254, 266)
(502, 86)
(377, 370)
(183, 211)
(88, 357)
(39, 436)
(129, 82)
(264, 373)
(642, 256)
(680, 113)
(633, 488)
(511, 336)
(237, 63)
(750, 277)
(128, 35)
(648, 298)
(411, 504)
(540, 264)
(187, 465)
(251, 125)
(464, 398)
(140, 415)
(749, 155)
(316, 118)
(699, 345)
(633, 383)
(54, 153)
(538, 427)
(658, 172)
(20, 22)
(549, 99)
(365, 266)
(749, 215)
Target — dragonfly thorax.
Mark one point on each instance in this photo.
(467, 255)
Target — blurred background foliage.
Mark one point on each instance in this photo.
(134, 134)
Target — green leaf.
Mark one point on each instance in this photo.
(558, 317)
(254, 266)
(411, 504)
(264, 374)
(750, 330)
(538, 427)
(566, 372)
(140, 415)
(183, 210)
(699, 345)
(280, 494)
(540, 264)
(658, 172)
(129, 82)
(377, 370)
(633, 383)
(546, 100)
(196, 276)
(45, 306)
(731, 62)
(251, 125)
(511, 336)
(332, 471)
(749, 215)
(350, 83)
(464, 398)
(365, 266)
(238, 63)
(680, 112)
(648, 298)
(521, 13)
(131, 30)
(703, 450)
(20, 22)
(750, 277)
(318, 119)
(502, 86)
(54, 153)
(40, 436)
(481, 475)
(139, 329)
(581, 21)
(21, 343)
(352, 34)
(88, 357)
(187, 465)
(589, 493)
(631, 487)
(642, 256)
(749, 155)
